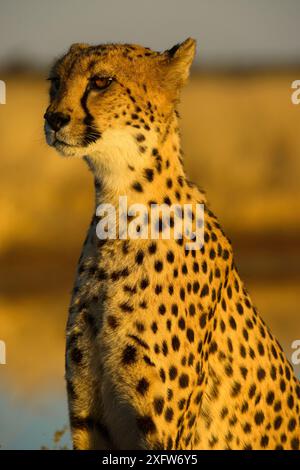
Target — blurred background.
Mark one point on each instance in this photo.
(241, 138)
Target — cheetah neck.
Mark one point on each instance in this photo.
(143, 167)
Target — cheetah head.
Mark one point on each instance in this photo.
(105, 96)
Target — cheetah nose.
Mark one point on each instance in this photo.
(56, 120)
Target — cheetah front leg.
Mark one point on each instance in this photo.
(88, 433)
(84, 394)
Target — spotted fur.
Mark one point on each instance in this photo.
(165, 349)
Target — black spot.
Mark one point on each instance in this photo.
(222, 326)
(259, 417)
(169, 413)
(195, 267)
(182, 293)
(137, 187)
(196, 287)
(190, 335)
(204, 290)
(152, 248)
(142, 386)
(252, 391)
(244, 372)
(232, 322)
(126, 307)
(282, 385)
(243, 351)
(181, 403)
(247, 428)
(144, 283)
(139, 257)
(174, 310)
(277, 406)
(148, 361)
(140, 326)
(235, 390)
(101, 275)
(230, 346)
(270, 398)
(228, 370)
(158, 404)
(264, 441)
(290, 402)
(192, 310)
(277, 422)
(158, 289)
(139, 341)
(240, 308)
(287, 373)
(244, 407)
(229, 292)
(184, 269)
(146, 424)
(245, 334)
(129, 355)
(162, 375)
(175, 343)
(203, 320)
(261, 349)
(165, 348)
(204, 267)
(261, 374)
(292, 424)
(173, 372)
(170, 443)
(183, 381)
(295, 443)
(162, 309)
(158, 266)
(169, 183)
(181, 323)
(112, 321)
(148, 172)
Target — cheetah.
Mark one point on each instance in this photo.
(164, 348)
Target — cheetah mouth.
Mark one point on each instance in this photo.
(62, 143)
(54, 141)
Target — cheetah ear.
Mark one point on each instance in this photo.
(178, 61)
(77, 46)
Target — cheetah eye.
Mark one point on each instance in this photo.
(100, 83)
(55, 83)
